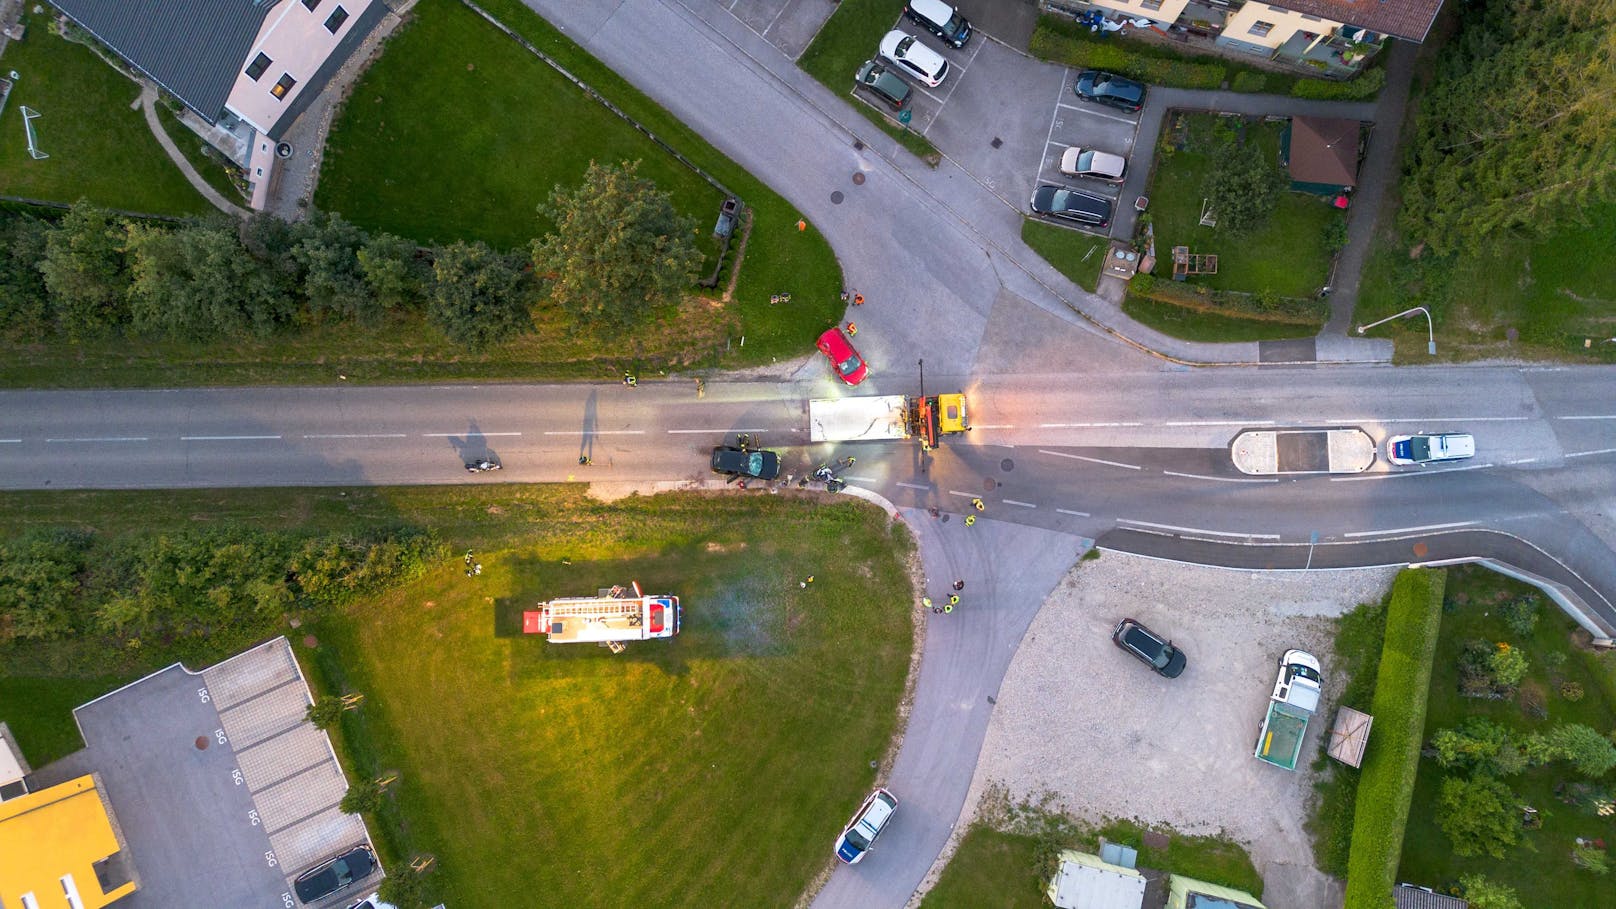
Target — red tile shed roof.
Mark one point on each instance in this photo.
(1409, 19)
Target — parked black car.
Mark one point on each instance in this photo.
(1151, 648)
(1072, 205)
(1098, 87)
(940, 19)
(884, 84)
(323, 880)
(746, 462)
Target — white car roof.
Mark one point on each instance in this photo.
(1454, 444)
(918, 54)
(1103, 164)
(935, 10)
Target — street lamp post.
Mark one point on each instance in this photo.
(1430, 327)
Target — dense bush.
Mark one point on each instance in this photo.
(1479, 815)
(1249, 82)
(59, 584)
(1391, 761)
(1362, 87)
(1520, 615)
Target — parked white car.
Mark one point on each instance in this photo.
(913, 58)
(1427, 448)
(1099, 165)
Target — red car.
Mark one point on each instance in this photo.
(849, 365)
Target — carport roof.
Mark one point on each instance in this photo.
(1409, 19)
(192, 48)
(1324, 151)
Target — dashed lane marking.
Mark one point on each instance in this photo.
(453, 435)
(1075, 514)
(1018, 504)
(106, 439)
(724, 429)
(359, 435)
(227, 438)
(963, 495)
(994, 426)
(587, 432)
(1590, 416)
(1222, 423)
(914, 486)
(1085, 425)
(1584, 454)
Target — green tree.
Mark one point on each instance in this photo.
(1243, 187)
(1478, 744)
(327, 252)
(197, 282)
(1590, 753)
(1517, 130)
(393, 271)
(363, 797)
(620, 249)
(1478, 815)
(24, 302)
(84, 271)
(478, 296)
(1482, 893)
(1508, 665)
(405, 888)
(40, 585)
(325, 712)
(1591, 858)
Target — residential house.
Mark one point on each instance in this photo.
(60, 849)
(248, 66)
(1322, 154)
(1335, 37)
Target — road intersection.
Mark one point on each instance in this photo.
(1078, 437)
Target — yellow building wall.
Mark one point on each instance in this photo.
(1285, 24)
(51, 834)
(1169, 12)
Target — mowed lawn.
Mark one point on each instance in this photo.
(1552, 293)
(458, 132)
(712, 769)
(99, 148)
(1540, 867)
(1286, 256)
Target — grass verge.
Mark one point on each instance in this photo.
(847, 39)
(508, 749)
(1076, 255)
(1519, 298)
(1360, 636)
(1194, 324)
(1540, 867)
(1391, 762)
(99, 148)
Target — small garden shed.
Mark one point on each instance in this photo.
(1322, 154)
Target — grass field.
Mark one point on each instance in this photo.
(1010, 870)
(1539, 868)
(1554, 294)
(847, 39)
(1076, 255)
(713, 769)
(208, 164)
(99, 148)
(1287, 256)
(1195, 325)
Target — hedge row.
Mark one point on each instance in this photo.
(1362, 87)
(1058, 41)
(1391, 761)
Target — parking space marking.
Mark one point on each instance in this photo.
(1054, 123)
(1089, 110)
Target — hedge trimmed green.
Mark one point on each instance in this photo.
(1391, 761)
(1361, 87)
(1060, 41)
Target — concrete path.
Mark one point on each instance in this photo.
(1376, 181)
(148, 105)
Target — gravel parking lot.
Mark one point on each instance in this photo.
(1083, 721)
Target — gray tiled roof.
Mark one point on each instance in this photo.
(1409, 19)
(1407, 896)
(192, 48)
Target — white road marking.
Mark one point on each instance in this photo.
(10, 441)
(1019, 504)
(359, 435)
(226, 438)
(452, 435)
(1397, 530)
(1085, 425)
(1523, 461)
(1222, 423)
(724, 429)
(860, 479)
(994, 426)
(963, 495)
(1054, 121)
(1075, 514)
(1584, 454)
(1353, 420)
(582, 432)
(1589, 417)
(1392, 475)
(1062, 454)
(108, 439)
(1215, 533)
(1196, 476)
(914, 486)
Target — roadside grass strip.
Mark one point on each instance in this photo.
(1391, 762)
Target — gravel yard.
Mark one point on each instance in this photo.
(1082, 721)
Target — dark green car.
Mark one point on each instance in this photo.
(884, 84)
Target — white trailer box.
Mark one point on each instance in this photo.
(858, 419)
